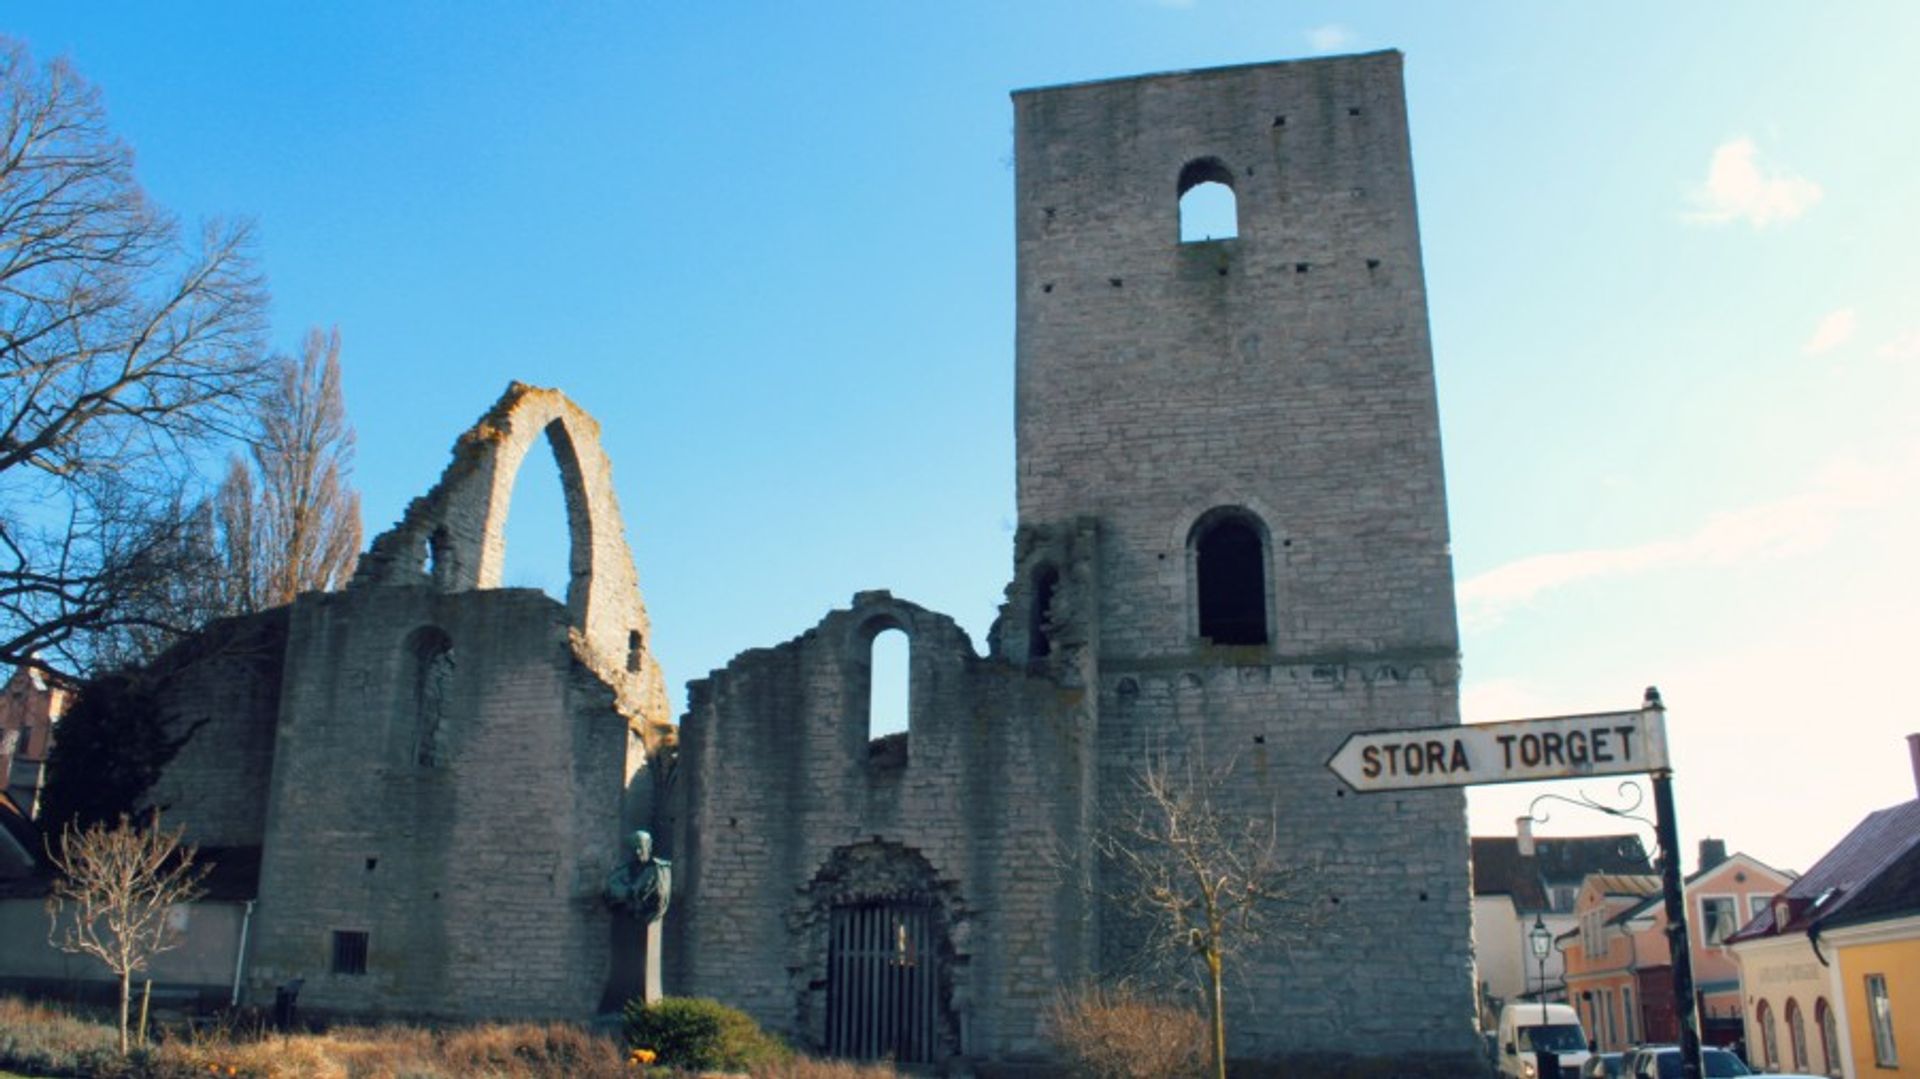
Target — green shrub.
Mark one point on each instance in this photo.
(700, 1034)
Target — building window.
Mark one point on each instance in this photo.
(889, 691)
(1208, 209)
(1039, 637)
(432, 685)
(1718, 918)
(1756, 903)
(1230, 577)
(1797, 1034)
(349, 951)
(1880, 1018)
(1829, 1036)
(1769, 1039)
(1627, 1018)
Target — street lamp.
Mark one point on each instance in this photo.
(1541, 940)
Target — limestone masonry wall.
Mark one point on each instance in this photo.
(478, 896)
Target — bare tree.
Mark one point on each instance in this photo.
(115, 890)
(123, 348)
(1196, 882)
(290, 523)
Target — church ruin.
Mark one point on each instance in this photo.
(1232, 547)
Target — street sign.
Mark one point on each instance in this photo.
(1557, 747)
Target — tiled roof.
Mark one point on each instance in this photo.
(1500, 869)
(1858, 880)
(20, 848)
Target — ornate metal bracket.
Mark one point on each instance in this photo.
(1629, 792)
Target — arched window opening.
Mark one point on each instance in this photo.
(1230, 571)
(1829, 1036)
(1769, 1039)
(1039, 639)
(889, 692)
(1797, 1034)
(537, 542)
(636, 645)
(1208, 207)
(430, 691)
(440, 557)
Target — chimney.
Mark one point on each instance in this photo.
(1712, 853)
(1913, 750)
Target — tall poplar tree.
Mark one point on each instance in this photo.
(288, 521)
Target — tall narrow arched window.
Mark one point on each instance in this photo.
(1797, 1035)
(1829, 1037)
(1229, 553)
(1769, 1038)
(1039, 638)
(1208, 208)
(889, 693)
(429, 692)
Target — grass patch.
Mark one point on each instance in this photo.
(36, 1040)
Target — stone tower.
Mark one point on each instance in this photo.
(1249, 425)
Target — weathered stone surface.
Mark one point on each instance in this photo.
(444, 766)
(1283, 377)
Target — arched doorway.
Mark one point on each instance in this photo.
(879, 937)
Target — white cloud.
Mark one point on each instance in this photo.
(1740, 187)
(1329, 38)
(1834, 330)
(1793, 525)
(1904, 347)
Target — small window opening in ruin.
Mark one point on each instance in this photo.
(538, 543)
(1039, 638)
(1208, 207)
(1230, 578)
(889, 694)
(349, 951)
(440, 557)
(431, 653)
(635, 645)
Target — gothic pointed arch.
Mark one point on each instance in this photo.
(453, 539)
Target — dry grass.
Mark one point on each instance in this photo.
(38, 1039)
(1115, 1035)
(510, 1051)
(41, 1040)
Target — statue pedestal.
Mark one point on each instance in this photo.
(650, 980)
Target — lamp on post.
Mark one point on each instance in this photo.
(1540, 938)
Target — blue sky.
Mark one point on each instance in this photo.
(1672, 251)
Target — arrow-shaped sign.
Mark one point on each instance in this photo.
(1557, 747)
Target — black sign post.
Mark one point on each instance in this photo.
(1558, 747)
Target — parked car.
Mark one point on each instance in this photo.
(1663, 1062)
(1603, 1066)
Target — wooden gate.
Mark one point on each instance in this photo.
(883, 983)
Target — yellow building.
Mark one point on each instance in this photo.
(1875, 945)
(1830, 968)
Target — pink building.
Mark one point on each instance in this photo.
(30, 706)
(1620, 971)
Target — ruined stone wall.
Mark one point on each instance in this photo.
(222, 696)
(783, 809)
(478, 891)
(457, 765)
(1283, 376)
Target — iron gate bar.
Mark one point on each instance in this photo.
(882, 982)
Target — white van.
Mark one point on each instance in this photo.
(1527, 1028)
